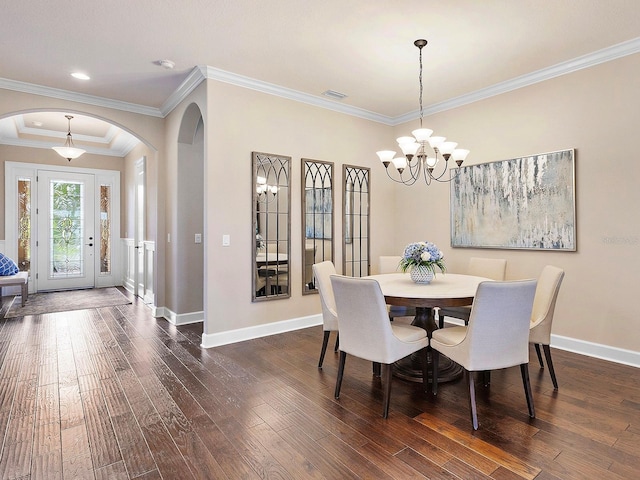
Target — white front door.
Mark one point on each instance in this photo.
(66, 240)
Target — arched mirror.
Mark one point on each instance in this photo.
(355, 216)
(317, 222)
(271, 226)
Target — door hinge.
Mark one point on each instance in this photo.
(37, 243)
(37, 276)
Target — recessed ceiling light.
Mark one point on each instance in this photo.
(80, 76)
(37, 123)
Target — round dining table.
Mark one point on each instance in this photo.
(445, 290)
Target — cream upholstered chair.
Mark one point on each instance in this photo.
(261, 282)
(493, 268)
(322, 274)
(365, 331)
(544, 306)
(497, 336)
(309, 260)
(389, 264)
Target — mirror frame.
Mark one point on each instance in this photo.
(280, 166)
(328, 167)
(361, 176)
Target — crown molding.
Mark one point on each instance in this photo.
(195, 77)
(213, 73)
(200, 73)
(614, 52)
(78, 97)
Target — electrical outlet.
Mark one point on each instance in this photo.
(198, 238)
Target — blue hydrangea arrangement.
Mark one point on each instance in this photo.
(426, 254)
(259, 242)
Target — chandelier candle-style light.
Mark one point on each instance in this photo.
(418, 159)
(69, 150)
(265, 193)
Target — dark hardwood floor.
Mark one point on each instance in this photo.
(113, 393)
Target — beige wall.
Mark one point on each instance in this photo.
(596, 112)
(238, 122)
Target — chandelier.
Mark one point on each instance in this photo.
(69, 150)
(265, 193)
(422, 152)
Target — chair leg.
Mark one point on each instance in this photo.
(435, 358)
(440, 318)
(547, 354)
(539, 354)
(472, 400)
(335, 349)
(486, 377)
(425, 369)
(524, 369)
(387, 389)
(323, 350)
(343, 357)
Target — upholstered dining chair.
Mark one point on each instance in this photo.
(309, 260)
(365, 331)
(497, 336)
(544, 306)
(322, 274)
(493, 268)
(389, 264)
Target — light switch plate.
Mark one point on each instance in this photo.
(226, 240)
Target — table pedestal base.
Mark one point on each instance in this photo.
(410, 368)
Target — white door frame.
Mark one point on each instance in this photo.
(111, 178)
(139, 230)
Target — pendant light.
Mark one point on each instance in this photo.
(69, 150)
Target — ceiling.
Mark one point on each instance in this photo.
(360, 48)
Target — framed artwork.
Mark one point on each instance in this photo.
(523, 203)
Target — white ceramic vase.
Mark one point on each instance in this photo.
(421, 274)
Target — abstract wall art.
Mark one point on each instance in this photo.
(522, 203)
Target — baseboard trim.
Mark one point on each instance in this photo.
(249, 333)
(590, 349)
(596, 350)
(180, 318)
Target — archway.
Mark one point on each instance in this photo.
(189, 245)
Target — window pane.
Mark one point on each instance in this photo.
(105, 229)
(24, 224)
(65, 227)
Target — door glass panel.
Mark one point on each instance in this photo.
(66, 229)
(24, 224)
(355, 245)
(105, 229)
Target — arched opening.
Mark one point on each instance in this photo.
(26, 140)
(188, 247)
